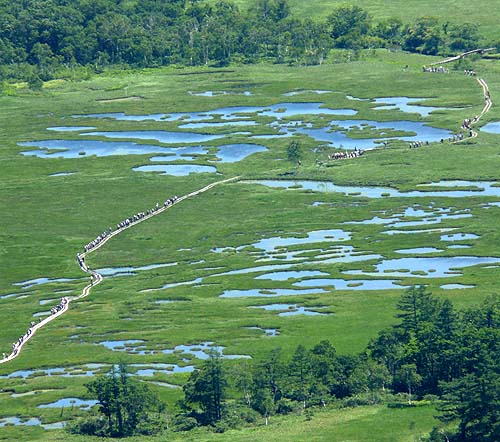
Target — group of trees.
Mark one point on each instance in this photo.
(433, 351)
(42, 37)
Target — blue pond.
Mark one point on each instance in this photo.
(459, 237)
(492, 128)
(439, 267)
(482, 188)
(202, 351)
(279, 110)
(39, 281)
(337, 132)
(84, 404)
(291, 274)
(342, 284)
(161, 136)
(404, 104)
(128, 271)
(268, 293)
(292, 309)
(70, 128)
(418, 251)
(227, 153)
(176, 169)
(130, 346)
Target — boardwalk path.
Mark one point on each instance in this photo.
(96, 278)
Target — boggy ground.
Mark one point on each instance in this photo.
(46, 220)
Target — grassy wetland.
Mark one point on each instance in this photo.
(229, 240)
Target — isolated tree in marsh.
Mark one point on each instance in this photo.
(293, 152)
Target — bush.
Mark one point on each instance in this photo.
(184, 423)
(91, 425)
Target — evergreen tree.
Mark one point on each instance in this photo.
(205, 391)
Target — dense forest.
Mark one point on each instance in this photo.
(434, 352)
(44, 39)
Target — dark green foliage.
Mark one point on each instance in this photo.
(293, 152)
(205, 391)
(55, 35)
(124, 406)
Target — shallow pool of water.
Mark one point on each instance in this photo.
(62, 174)
(128, 271)
(70, 128)
(459, 237)
(268, 293)
(353, 284)
(482, 188)
(267, 331)
(438, 267)
(291, 274)
(456, 286)
(84, 404)
(492, 128)
(176, 169)
(130, 346)
(161, 136)
(39, 281)
(291, 309)
(16, 421)
(418, 251)
(404, 104)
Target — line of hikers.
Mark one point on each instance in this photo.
(17, 345)
(127, 222)
(344, 155)
(433, 69)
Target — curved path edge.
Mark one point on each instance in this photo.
(96, 278)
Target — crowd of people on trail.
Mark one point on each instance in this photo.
(17, 345)
(126, 223)
(435, 69)
(344, 155)
(470, 72)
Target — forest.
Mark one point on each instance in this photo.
(434, 353)
(45, 39)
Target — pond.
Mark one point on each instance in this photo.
(438, 267)
(456, 286)
(130, 271)
(492, 128)
(459, 237)
(292, 309)
(418, 251)
(84, 404)
(353, 284)
(480, 188)
(176, 169)
(269, 293)
(291, 274)
(404, 104)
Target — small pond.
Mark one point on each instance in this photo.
(70, 402)
(456, 286)
(292, 309)
(439, 267)
(459, 237)
(291, 274)
(269, 293)
(176, 169)
(492, 128)
(481, 188)
(353, 284)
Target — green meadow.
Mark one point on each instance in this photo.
(480, 13)
(47, 219)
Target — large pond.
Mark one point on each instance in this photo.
(464, 189)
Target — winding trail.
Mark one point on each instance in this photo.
(486, 91)
(96, 278)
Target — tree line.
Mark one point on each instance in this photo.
(433, 352)
(49, 38)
